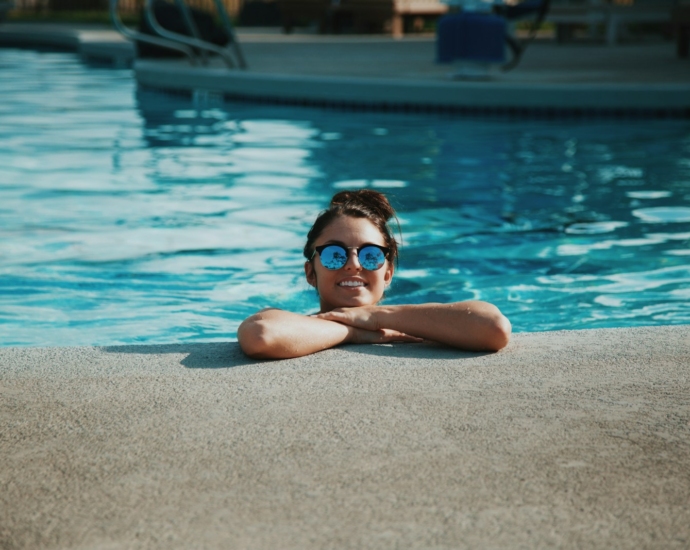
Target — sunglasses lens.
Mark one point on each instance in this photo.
(333, 257)
(371, 258)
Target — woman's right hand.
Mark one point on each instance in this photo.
(381, 336)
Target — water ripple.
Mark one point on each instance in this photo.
(128, 216)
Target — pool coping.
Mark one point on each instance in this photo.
(530, 95)
(570, 439)
(93, 43)
(403, 94)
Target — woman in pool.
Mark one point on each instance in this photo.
(350, 255)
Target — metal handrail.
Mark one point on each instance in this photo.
(141, 37)
(180, 42)
(191, 25)
(194, 42)
(225, 18)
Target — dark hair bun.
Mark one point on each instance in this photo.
(365, 200)
(362, 203)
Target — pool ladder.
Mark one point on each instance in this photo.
(193, 46)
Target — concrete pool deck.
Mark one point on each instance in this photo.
(382, 72)
(564, 439)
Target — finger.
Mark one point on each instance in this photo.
(332, 313)
(411, 338)
(408, 338)
(396, 336)
(330, 316)
(323, 315)
(326, 316)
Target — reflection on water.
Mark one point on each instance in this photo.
(128, 215)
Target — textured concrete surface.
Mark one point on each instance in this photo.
(382, 71)
(564, 439)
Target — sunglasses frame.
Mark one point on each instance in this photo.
(347, 249)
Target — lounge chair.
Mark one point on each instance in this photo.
(650, 11)
(611, 15)
(390, 15)
(363, 15)
(294, 12)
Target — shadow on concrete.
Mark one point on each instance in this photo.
(197, 356)
(425, 350)
(227, 355)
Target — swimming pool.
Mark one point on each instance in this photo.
(129, 216)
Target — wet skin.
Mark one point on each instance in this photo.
(335, 286)
(350, 314)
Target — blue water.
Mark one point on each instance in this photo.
(130, 216)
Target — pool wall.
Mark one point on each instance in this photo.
(383, 73)
(564, 439)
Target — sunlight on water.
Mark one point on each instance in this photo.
(129, 216)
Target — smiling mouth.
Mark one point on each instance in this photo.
(352, 284)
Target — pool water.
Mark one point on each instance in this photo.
(131, 216)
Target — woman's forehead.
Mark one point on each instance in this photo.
(351, 231)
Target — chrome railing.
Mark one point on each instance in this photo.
(192, 45)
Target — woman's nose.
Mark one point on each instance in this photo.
(353, 261)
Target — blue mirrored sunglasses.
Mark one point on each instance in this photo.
(333, 256)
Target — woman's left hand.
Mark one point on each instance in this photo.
(359, 317)
(471, 325)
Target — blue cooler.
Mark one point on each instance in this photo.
(471, 36)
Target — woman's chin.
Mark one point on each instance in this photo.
(357, 300)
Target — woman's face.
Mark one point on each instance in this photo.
(351, 285)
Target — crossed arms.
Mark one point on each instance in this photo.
(278, 334)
